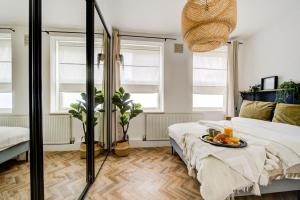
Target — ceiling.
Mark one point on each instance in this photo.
(144, 16)
(163, 16)
(55, 13)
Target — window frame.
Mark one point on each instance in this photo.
(212, 90)
(160, 92)
(7, 86)
(56, 104)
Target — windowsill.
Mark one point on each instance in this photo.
(154, 112)
(59, 113)
(207, 110)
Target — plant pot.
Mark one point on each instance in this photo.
(97, 151)
(122, 149)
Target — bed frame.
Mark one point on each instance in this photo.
(284, 185)
(14, 151)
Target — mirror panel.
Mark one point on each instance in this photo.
(14, 100)
(64, 89)
(100, 52)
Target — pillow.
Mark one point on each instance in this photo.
(287, 113)
(257, 110)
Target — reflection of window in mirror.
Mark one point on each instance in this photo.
(5, 73)
(68, 70)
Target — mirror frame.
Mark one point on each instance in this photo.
(35, 96)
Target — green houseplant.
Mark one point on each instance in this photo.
(286, 89)
(79, 111)
(128, 110)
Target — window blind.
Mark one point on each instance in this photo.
(5, 73)
(210, 79)
(140, 73)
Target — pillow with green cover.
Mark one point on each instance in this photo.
(287, 113)
(257, 110)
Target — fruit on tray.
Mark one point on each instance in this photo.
(222, 138)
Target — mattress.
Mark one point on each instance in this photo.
(10, 136)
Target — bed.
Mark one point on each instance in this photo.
(276, 182)
(14, 141)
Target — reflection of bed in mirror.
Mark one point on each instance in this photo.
(14, 141)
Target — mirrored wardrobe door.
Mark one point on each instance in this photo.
(14, 100)
(64, 98)
(100, 52)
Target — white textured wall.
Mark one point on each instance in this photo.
(275, 50)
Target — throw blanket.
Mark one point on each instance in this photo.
(223, 171)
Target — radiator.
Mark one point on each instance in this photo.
(14, 121)
(56, 128)
(157, 124)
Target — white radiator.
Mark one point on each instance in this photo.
(14, 121)
(56, 128)
(157, 124)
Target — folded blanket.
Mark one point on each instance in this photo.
(247, 162)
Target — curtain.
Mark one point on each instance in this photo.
(116, 77)
(232, 80)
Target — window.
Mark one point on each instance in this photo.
(5, 73)
(68, 71)
(210, 79)
(141, 73)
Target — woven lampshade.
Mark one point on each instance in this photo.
(206, 25)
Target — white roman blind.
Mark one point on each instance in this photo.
(5, 73)
(141, 72)
(210, 79)
(69, 71)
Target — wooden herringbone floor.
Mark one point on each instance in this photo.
(64, 177)
(147, 174)
(152, 174)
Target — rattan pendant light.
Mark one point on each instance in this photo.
(206, 24)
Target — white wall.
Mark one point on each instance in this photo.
(272, 51)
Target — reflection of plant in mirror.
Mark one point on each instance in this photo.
(79, 110)
(128, 109)
(287, 89)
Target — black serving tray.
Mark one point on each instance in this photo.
(243, 143)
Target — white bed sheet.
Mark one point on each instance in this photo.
(10, 136)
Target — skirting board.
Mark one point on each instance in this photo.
(146, 144)
(62, 147)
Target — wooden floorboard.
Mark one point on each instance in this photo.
(64, 178)
(153, 174)
(147, 174)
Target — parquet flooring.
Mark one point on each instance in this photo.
(152, 174)
(147, 174)
(64, 177)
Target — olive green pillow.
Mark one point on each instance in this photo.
(287, 113)
(257, 110)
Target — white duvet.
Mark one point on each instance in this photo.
(273, 147)
(10, 136)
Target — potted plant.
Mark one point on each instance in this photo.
(288, 90)
(128, 110)
(79, 111)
